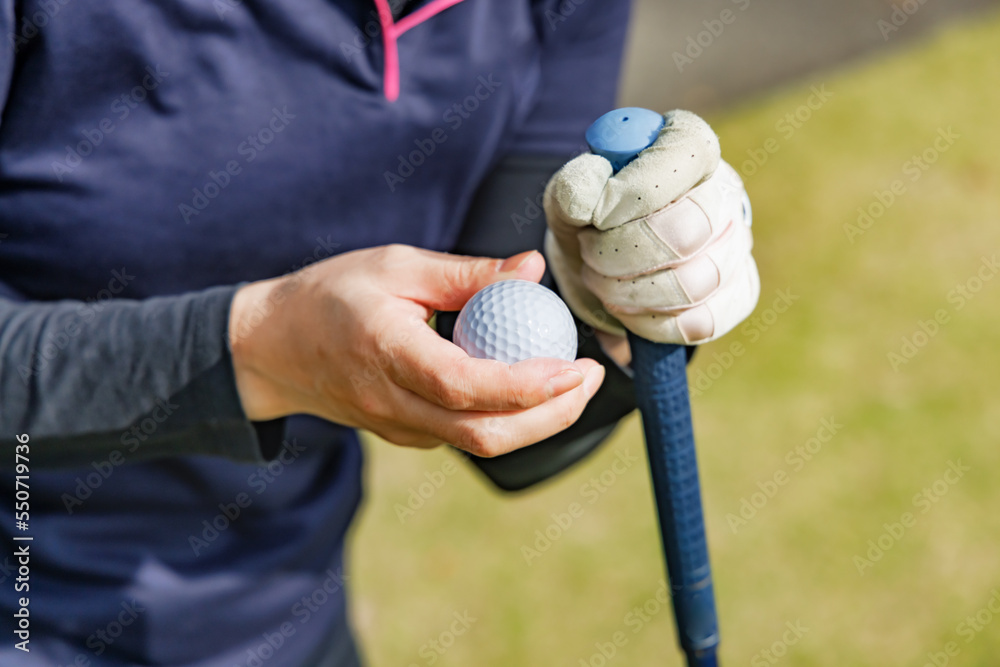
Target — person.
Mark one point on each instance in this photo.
(224, 228)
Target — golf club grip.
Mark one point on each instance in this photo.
(662, 395)
(661, 390)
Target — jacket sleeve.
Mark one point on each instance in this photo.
(148, 378)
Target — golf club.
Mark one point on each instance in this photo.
(662, 395)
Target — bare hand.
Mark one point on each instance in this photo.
(347, 339)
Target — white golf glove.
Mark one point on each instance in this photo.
(661, 248)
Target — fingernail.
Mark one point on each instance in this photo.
(512, 264)
(593, 380)
(564, 381)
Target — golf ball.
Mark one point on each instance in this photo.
(514, 320)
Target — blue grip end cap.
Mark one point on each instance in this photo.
(622, 134)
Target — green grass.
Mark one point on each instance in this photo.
(825, 357)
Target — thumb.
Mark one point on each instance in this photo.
(445, 282)
(573, 192)
(685, 153)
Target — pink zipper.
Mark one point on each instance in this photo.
(391, 32)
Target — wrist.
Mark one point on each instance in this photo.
(252, 306)
(616, 347)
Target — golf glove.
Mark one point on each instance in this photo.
(661, 248)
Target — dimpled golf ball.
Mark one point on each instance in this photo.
(514, 320)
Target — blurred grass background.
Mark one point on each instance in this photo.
(825, 357)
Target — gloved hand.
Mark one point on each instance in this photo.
(661, 248)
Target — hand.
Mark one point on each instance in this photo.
(347, 339)
(661, 248)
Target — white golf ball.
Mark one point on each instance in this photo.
(514, 320)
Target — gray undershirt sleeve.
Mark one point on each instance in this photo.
(150, 378)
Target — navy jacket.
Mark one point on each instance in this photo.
(153, 156)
